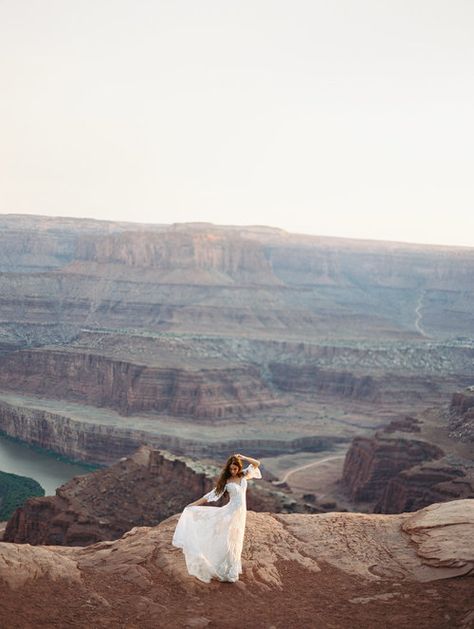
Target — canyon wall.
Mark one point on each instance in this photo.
(310, 378)
(395, 472)
(422, 485)
(100, 443)
(208, 255)
(371, 463)
(132, 388)
(461, 415)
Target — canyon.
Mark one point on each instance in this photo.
(156, 350)
(201, 339)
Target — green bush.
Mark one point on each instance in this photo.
(14, 490)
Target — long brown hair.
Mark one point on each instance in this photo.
(225, 474)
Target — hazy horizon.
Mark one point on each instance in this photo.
(350, 120)
(242, 225)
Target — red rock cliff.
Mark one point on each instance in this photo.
(131, 388)
(461, 415)
(312, 379)
(422, 485)
(211, 255)
(371, 463)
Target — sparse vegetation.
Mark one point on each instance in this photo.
(14, 490)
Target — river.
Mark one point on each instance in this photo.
(47, 469)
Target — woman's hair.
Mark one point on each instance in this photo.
(225, 474)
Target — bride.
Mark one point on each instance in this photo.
(212, 537)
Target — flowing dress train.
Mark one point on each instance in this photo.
(212, 537)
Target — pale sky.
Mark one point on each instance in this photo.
(336, 117)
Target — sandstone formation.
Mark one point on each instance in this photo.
(142, 489)
(208, 255)
(461, 415)
(371, 463)
(395, 471)
(332, 570)
(421, 485)
(131, 388)
(403, 424)
(100, 438)
(310, 378)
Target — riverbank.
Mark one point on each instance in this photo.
(48, 468)
(14, 490)
(89, 467)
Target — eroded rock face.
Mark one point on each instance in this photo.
(312, 379)
(131, 388)
(461, 415)
(214, 256)
(395, 471)
(337, 569)
(421, 485)
(70, 435)
(142, 489)
(371, 463)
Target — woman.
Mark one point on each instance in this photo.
(212, 537)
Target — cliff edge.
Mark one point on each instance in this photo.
(329, 570)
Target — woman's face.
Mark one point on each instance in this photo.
(233, 469)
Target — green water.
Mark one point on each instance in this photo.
(49, 470)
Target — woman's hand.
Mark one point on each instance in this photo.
(254, 462)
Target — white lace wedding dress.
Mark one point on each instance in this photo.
(212, 537)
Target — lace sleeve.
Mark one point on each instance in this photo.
(252, 472)
(212, 495)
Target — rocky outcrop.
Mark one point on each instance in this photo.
(132, 388)
(396, 472)
(421, 485)
(368, 571)
(461, 415)
(142, 489)
(371, 463)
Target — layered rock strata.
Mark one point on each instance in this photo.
(131, 388)
(229, 279)
(99, 442)
(368, 571)
(421, 485)
(312, 379)
(371, 463)
(393, 472)
(461, 415)
(142, 489)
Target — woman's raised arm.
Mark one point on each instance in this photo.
(254, 462)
